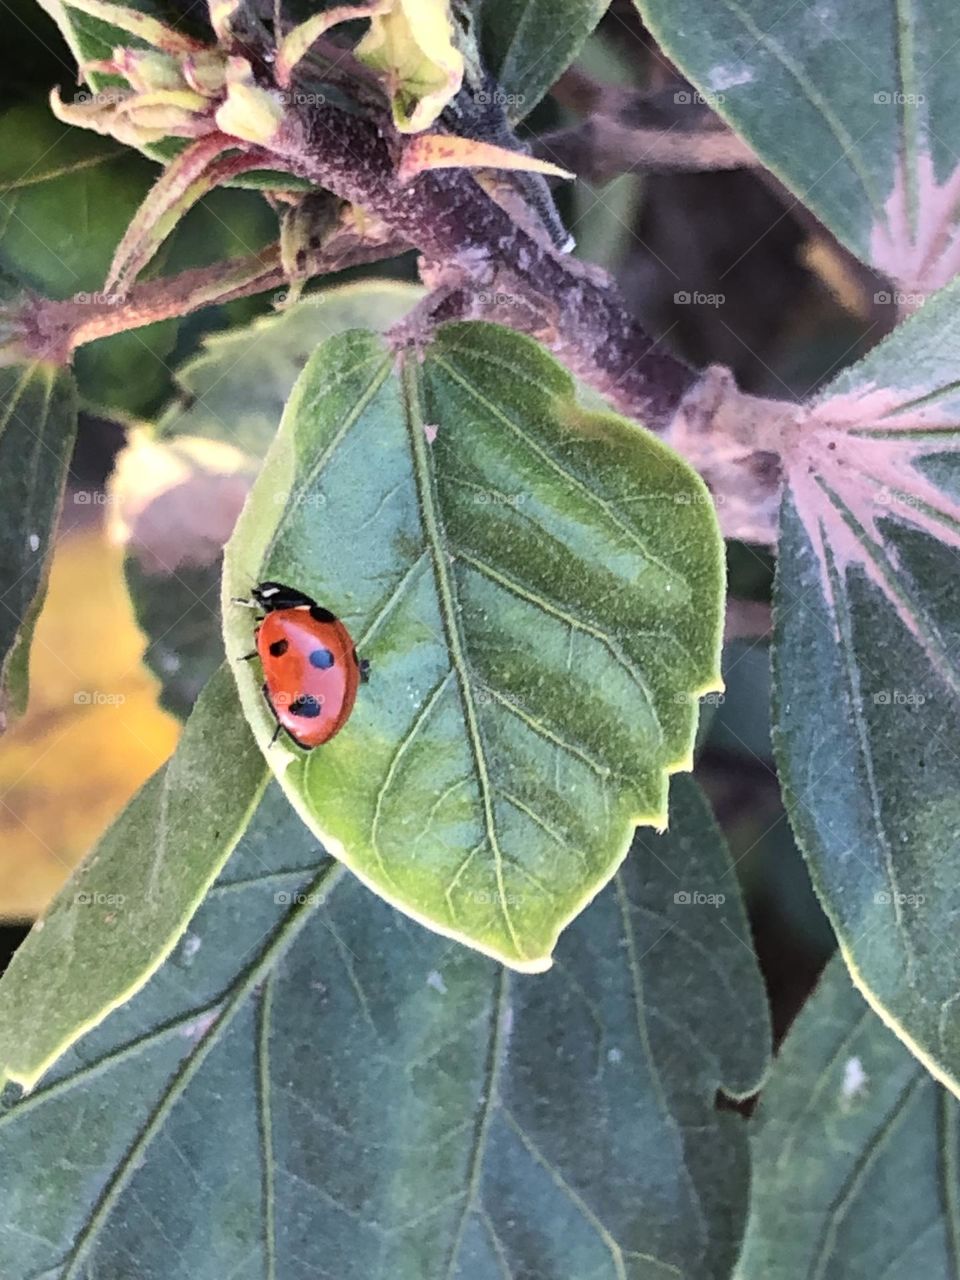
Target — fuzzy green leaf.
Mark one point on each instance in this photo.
(853, 106)
(528, 44)
(236, 388)
(539, 590)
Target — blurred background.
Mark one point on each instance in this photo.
(722, 263)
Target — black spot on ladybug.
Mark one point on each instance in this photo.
(307, 707)
(321, 658)
(279, 648)
(319, 614)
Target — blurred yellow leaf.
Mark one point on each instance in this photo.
(93, 731)
(412, 45)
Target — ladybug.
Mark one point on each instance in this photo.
(310, 666)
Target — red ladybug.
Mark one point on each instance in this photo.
(310, 667)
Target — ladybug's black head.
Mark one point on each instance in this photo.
(274, 595)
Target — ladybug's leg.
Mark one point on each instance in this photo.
(364, 665)
(247, 656)
(266, 695)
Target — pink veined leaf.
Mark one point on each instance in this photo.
(867, 713)
(918, 243)
(205, 164)
(854, 465)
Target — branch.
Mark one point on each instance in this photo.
(482, 264)
(49, 330)
(603, 147)
(574, 310)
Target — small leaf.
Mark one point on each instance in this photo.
(235, 390)
(306, 226)
(38, 423)
(138, 119)
(197, 170)
(539, 592)
(447, 151)
(314, 1086)
(412, 43)
(249, 112)
(848, 1125)
(123, 911)
(867, 678)
(181, 186)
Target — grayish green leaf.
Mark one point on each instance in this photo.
(236, 388)
(853, 105)
(313, 1086)
(866, 673)
(528, 44)
(856, 1154)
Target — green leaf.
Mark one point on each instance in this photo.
(61, 218)
(528, 44)
(855, 1153)
(66, 197)
(853, 106)
(866, 673)
(38, 423)
(121, 913)
(314, 1086)
(539, 590)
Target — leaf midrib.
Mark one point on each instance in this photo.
(447, 602)
(50, 175)
(489, 1095)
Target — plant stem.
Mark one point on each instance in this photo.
(52, 330)
(573, 309)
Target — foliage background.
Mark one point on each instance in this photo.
(793, 313)
(727, 268)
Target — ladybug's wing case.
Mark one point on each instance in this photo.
(310, 671)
